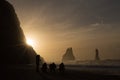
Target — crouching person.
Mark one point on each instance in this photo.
(61, 67)
(44, 68)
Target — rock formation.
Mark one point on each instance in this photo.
(97, 58)
(68, 56)
(13, 47)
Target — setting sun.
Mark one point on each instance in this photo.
(30, 42)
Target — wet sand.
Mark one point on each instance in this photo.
(29, 73)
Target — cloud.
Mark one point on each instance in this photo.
(76, 12)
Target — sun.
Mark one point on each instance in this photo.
(30, 42)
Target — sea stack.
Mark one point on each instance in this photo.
(68, 56)
(13, 47)
(97, 58)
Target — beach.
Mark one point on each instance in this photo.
(28, 72)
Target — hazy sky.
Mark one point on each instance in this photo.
(82, 24)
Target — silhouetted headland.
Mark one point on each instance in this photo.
(13, 47)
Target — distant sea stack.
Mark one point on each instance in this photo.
(13, 47)
(68, 56)
(97, 58)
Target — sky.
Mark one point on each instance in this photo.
(55, 25)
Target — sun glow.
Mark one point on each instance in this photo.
(30, 42)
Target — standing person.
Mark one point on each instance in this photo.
(37, 62)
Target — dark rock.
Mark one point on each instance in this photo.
(68, 56)
(13, 47)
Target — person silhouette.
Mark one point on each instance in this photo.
(44, 67)
(37, 62)
(62, 67)
(52, 67)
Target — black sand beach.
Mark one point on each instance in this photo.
(29, 73)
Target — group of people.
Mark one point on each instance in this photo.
(52, 67)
